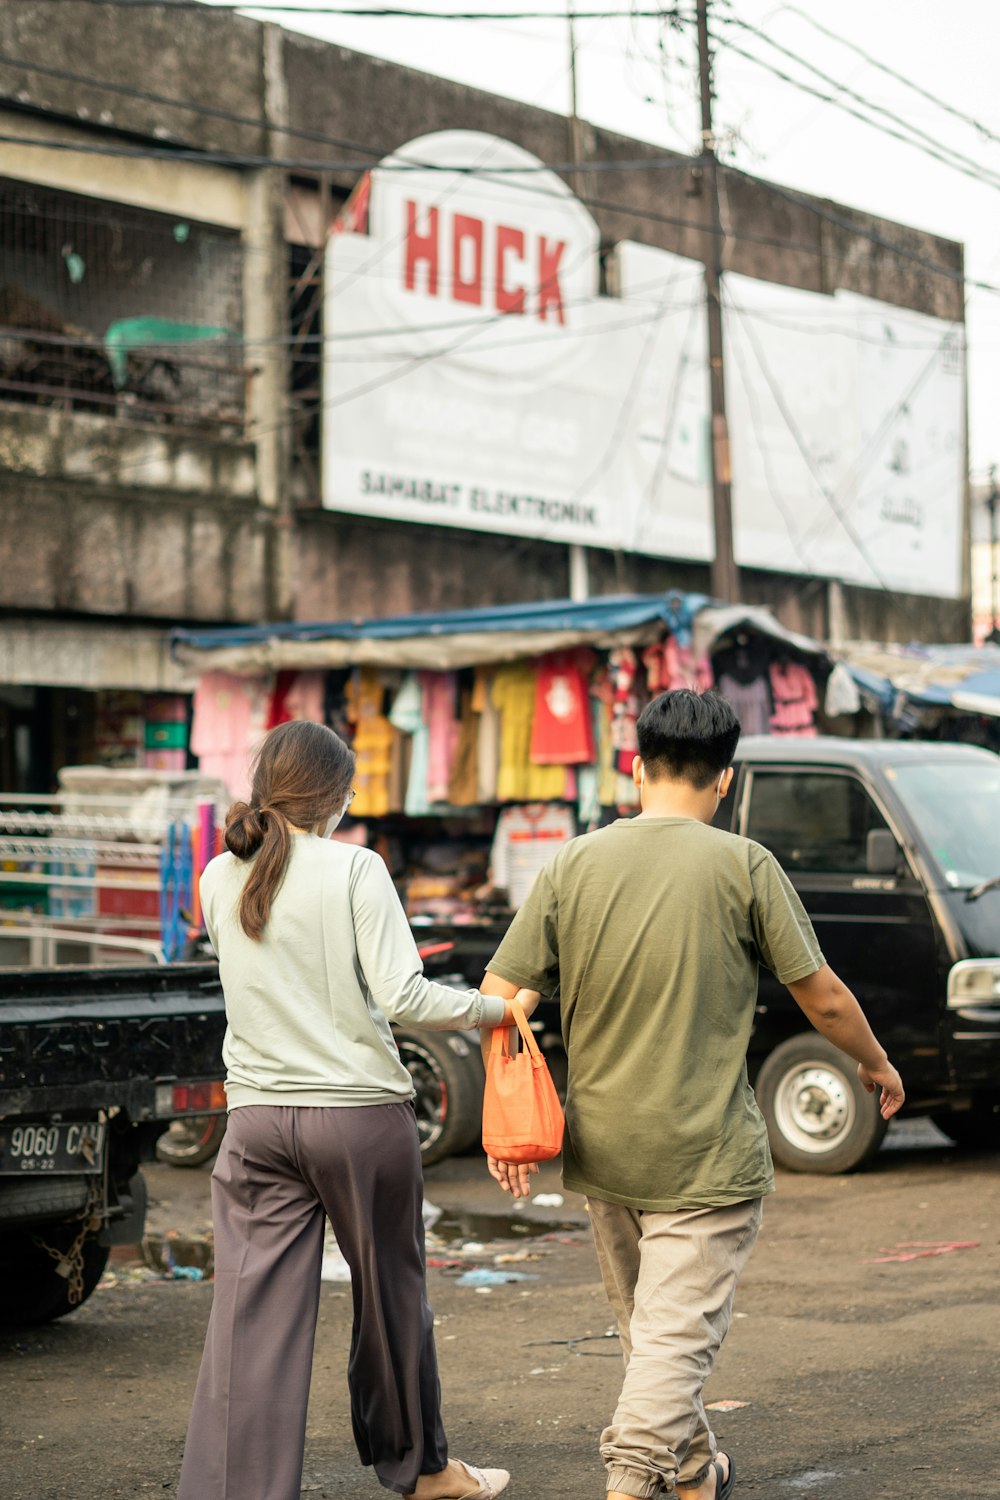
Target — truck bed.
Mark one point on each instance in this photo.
(67, 1034)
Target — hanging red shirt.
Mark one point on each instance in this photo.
(562, 732)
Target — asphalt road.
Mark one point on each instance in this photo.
(861, 1376)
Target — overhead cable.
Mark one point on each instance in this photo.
(395, 12)
(955, 161)
(949, 109)
(922, 140)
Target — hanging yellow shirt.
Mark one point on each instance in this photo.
(517, 779)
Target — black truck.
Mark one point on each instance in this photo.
(96, 1064)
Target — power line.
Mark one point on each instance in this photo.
(875, 62)
(395, 12)
(298, 164)
(955, 161)
(917, 138)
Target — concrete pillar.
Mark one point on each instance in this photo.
(265, 321)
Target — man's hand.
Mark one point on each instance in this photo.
(891, 1084)
(512, 1175)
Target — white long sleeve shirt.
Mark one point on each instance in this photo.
(308, 1006)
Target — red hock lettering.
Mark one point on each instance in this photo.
(483, 264)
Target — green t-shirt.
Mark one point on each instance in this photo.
(652, 929)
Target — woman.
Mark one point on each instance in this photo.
(316, 956)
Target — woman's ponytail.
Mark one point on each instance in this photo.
(244, 830)
(301, 777)
(264, 881)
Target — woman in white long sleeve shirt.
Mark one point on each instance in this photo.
(316, 957)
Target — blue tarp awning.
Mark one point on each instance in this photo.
(442, 640)
(964, 678)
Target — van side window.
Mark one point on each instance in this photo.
(812, 820)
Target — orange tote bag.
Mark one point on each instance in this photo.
(522, 1116)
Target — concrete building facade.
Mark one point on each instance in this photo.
(148, 483)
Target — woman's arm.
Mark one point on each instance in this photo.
(392, 966)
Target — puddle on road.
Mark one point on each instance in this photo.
(812, 1477)
(484, 1228)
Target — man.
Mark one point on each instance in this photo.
(653, 929)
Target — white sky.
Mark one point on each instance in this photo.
(639, 78)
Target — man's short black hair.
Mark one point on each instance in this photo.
(688, 735)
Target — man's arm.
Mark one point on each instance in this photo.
(831, 1007)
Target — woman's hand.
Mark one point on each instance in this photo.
(527, 1000)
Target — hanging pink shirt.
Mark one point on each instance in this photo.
(440, 694)
(795, 700)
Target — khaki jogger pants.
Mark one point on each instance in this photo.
(670, 1279)
(279, 1172)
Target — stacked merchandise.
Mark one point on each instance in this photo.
(135, 730)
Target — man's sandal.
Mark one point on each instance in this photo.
(724, 1490)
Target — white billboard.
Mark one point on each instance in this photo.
(474, 377)
(846, 421)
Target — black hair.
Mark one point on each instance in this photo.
(688, 735)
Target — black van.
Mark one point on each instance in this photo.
(894, 848)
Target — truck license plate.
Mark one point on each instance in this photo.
(26, 1147)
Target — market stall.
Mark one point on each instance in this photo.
(486, 738)
(929, 692)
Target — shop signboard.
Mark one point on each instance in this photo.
(474, 377)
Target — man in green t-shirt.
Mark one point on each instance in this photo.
(652, 930)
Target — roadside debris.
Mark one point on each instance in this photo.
(919, 1250)
(484, 1276)
(583, 1338)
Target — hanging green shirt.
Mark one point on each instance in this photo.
(652, 929)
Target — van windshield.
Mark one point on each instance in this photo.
(957, 811)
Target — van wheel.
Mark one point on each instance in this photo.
(819, 1117)
(975, 1129)
(447, 1073)
(191, 1141)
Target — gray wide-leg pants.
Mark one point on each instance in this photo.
(279, 1172)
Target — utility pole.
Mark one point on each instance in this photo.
(725, 579)
(992, 500)
(579, 565)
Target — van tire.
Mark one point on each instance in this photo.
(447, 1073)
(819, 1116)
(191, 1141)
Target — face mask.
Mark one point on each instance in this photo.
(337, 819)
(718, 789)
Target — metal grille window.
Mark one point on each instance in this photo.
(118, 311)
